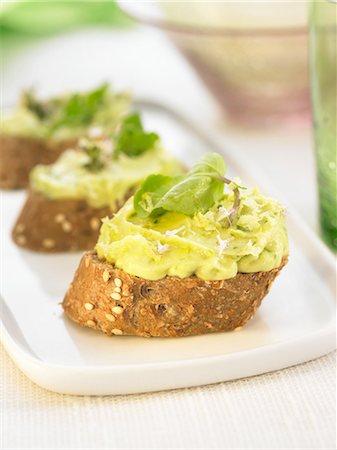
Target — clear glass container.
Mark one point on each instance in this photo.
(323, 62)
(252, 55)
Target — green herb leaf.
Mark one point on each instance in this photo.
(80, 108)
(132, 140)
(150, 193)
(42, 109)
(195, 192)
(95, 163)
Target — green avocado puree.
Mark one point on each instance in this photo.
(68, 178)
(22, 123)
(178, 245)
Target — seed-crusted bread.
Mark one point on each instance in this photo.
(46, 225)
(110, 300)
(19, 154)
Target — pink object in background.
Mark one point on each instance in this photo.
(253, 56)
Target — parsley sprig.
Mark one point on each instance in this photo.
(132, 139)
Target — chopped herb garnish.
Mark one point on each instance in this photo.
(132, 140)
(94, 152)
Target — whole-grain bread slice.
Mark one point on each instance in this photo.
(108, 299)
(46, 225)
(19, 154)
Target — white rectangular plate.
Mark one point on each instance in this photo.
(295, 323)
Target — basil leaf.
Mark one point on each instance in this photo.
(132, 140)
(197, 191)
(211, 164)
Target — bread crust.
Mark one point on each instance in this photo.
(19, 154)
(110, 300)
(46, 225)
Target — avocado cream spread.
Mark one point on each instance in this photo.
(69, 177)
(68, 116)
(211, 244)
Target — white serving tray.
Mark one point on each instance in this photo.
(295, 323)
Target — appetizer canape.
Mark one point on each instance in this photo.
(67, 200)
(187, 255)
(38, 131)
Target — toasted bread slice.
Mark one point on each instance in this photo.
(108, 299)
(19, 154)
(46, 225)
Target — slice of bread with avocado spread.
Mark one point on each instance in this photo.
(186, 255)
(68, 199)
(38, 131)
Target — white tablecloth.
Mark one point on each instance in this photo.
(293, 408)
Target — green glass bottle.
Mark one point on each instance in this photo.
(323, 62)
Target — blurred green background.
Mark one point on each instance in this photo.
(28, 19)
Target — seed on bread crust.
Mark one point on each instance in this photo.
(66, 226)
(95, 223)
(20, 227)
(116, 296)
(91, 323)
(21, 239)
(117, 309)
(59, 218)
(48, 243)
(117, 332)
(89, 306)
(118, 282)
(110, 317)
(106, 276)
